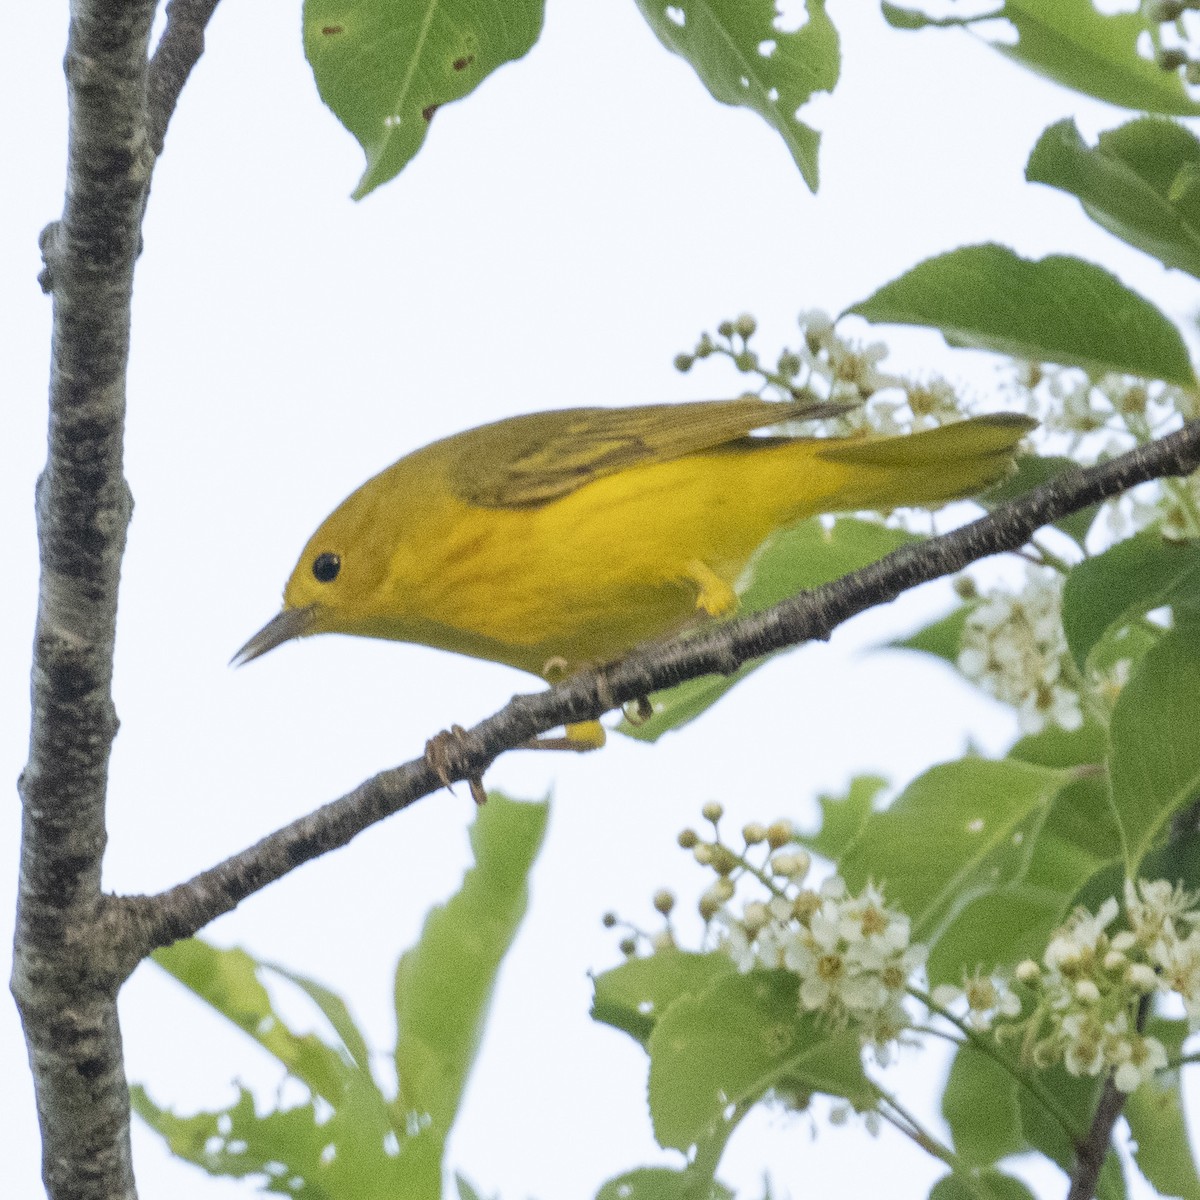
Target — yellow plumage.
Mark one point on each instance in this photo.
(558, 539)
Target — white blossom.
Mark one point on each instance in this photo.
(1013, 647)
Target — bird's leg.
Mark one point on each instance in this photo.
(714, 596)
(581, 736)
(639, 711)
(440, 752)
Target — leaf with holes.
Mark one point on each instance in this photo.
(949, 836)
(744, 59)
(386, 66)
(634, 995)
(1077, 46)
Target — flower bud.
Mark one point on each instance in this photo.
(755, 916)
(723, 860)
(664, 901)
(779, 833)
(1028, 972)
(754, 833)
(1142, 976)
(712, 811)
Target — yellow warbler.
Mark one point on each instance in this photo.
(560, 539)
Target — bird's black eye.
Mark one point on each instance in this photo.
(326, 567)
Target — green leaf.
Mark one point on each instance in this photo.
(228, 981)
(634, 995)
(290, 1138)
(1055, 747)
(1176, 859)
(386, 66)
(466, 1190)
(661, 1183)
(732, 1043)
(842, 817)
(995, 928)
(1124, 583)
(293, 1151)
(1155, 761)
(1032, 471)
(1158, 1124)
(744, 60)
(985, 1185)
(950, 836)
(941, 638)
(1058, 309)
(980, 1106)
(1138, 183)
(1077, 838)
(335, 1011)
(804, 556)
(444, 983)
(1093, 53)
(911, 18)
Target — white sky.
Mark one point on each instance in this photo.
(564, 232)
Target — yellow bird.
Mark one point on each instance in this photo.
(558, 540)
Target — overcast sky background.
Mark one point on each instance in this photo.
(564, 232)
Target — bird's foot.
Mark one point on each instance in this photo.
(580, 737)
(442, 752)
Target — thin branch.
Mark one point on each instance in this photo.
(178, 51)
(1093, 1150)
(186, 908)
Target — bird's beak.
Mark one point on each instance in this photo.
(290, 623)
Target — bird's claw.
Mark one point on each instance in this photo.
(440, 753)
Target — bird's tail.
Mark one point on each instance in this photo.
(928, 468)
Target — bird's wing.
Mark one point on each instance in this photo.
(527, 461)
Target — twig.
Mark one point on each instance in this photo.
(184, 909)
(1093, 1150)
(178, 51)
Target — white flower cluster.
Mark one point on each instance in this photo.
(1013, 647)
(987, 1000)
(1094, 982)
(1097, 418)
(845, 372)
(838, 370)
(852, 953)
